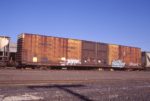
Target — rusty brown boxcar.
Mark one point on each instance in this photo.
(39, 50)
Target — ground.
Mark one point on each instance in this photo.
(63, 85)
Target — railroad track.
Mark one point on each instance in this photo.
(39, 82)
(46, 82)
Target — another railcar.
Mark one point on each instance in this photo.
(4, 50)
(146, 60)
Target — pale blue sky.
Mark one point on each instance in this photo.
(125, 22)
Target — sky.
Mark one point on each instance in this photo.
(125, 22)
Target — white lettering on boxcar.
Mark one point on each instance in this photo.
(73, 62)
(118, 63)
(133, 64)
(65, 61)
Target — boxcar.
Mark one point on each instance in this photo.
(39, 50)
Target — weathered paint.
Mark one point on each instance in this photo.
(113, 53)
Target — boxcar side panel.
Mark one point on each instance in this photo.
(89, 53)
(74, 52)
(41, 50)
(131, 56)
(125, 54)
(102, 54)
(113, 53)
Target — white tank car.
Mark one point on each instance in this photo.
(146, 59)
(4, 41)
(4, 50)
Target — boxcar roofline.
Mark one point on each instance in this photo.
(62, 37)
(80, 40)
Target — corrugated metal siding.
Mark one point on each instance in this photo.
(89, 53)
(135, 57)
(58, 49)
(125, 54)
(74, 52)
(139, 57)
(42, 50)
(131, 56)
(113, 53)
(102, 54)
